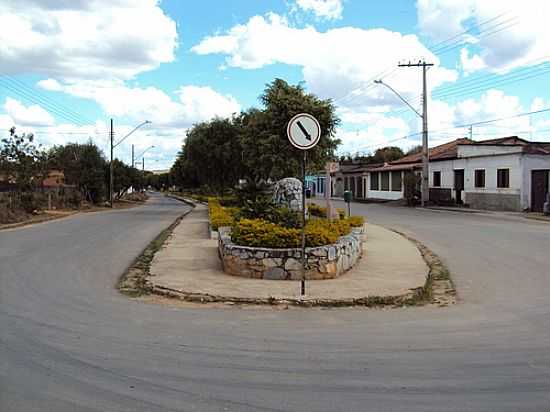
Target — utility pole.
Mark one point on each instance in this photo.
(112, 133)
(471, 132)
(133, 164)
(143, 164)
(425, 153)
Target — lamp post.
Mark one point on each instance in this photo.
(143, 157)
(424, 117)
(113, 145)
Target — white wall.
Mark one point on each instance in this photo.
(469, 150)
(383, 194)
(490, 164)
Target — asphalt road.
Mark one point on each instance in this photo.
(70, 342)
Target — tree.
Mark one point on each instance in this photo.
(22, 160)
(212, 154)
(267, 153)
(414, 150)
(83, 166)
(387, 154)
(125, 177)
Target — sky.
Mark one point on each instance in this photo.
(69, 66)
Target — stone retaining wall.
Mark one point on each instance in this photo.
(323, 262)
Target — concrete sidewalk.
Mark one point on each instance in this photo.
(188, 263)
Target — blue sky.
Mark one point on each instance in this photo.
(67, 67)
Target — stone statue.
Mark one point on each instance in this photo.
(288, 192)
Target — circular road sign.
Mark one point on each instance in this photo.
(303, 131)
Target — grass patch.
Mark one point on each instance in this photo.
(133, 282)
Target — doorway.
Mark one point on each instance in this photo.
(459, 186)
(539, 188)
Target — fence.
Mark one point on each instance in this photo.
(13, 203)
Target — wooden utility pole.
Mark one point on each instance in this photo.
(425, 153)
(111, 175)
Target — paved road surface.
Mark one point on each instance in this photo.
(70, 342)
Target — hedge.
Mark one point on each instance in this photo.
(319, 211)
(219, 215)
(261, 233)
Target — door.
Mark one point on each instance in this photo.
(459, 185)
(539, 188)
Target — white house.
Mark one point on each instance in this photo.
(501, 174)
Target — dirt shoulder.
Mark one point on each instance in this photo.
(48, 215)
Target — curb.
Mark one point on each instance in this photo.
(437, 289)
(133, 281)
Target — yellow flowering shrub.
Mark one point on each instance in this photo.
(261, 233)
(219, 215)
(356, 221)
(319, 211)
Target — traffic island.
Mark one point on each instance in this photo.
(393, 271)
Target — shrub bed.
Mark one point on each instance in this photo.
(219, 215)
(319, 232)
(319, 211)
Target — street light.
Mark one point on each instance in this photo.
(424, 117)
(113, 145)
(143, 158)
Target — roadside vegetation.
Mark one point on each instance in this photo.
(65, 177)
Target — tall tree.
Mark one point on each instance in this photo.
(267, 153)
(22, 160)
(387, 154)
(83, 166)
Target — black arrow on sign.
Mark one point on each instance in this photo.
(304, 131)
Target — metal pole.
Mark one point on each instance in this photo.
(328, 190)
(143, 164)
(111, 177)
(425, 160)
(133, 165)
(303, 286)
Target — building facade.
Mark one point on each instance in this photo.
(501, 174)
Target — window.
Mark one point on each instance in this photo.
(385, 181)
(374, 181)
(437, 179)
(479, 178)
(503, 178)
(396, 181)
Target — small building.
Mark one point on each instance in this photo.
(509, 173)
(54, 179)
(315, 182)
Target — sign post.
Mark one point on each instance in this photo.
(303, 132)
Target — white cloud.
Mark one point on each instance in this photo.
(334, 63)
(515, 31)
(471, 64)
(33, 115)
(193, 104)
(50, 84)
(324, 9)
(107, 39)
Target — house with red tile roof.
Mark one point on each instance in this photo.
(508, 173)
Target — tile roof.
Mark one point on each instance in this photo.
(441, 152)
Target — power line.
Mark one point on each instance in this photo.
(48, 99)
(461, 126)
(441, 48)
(28, 97)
